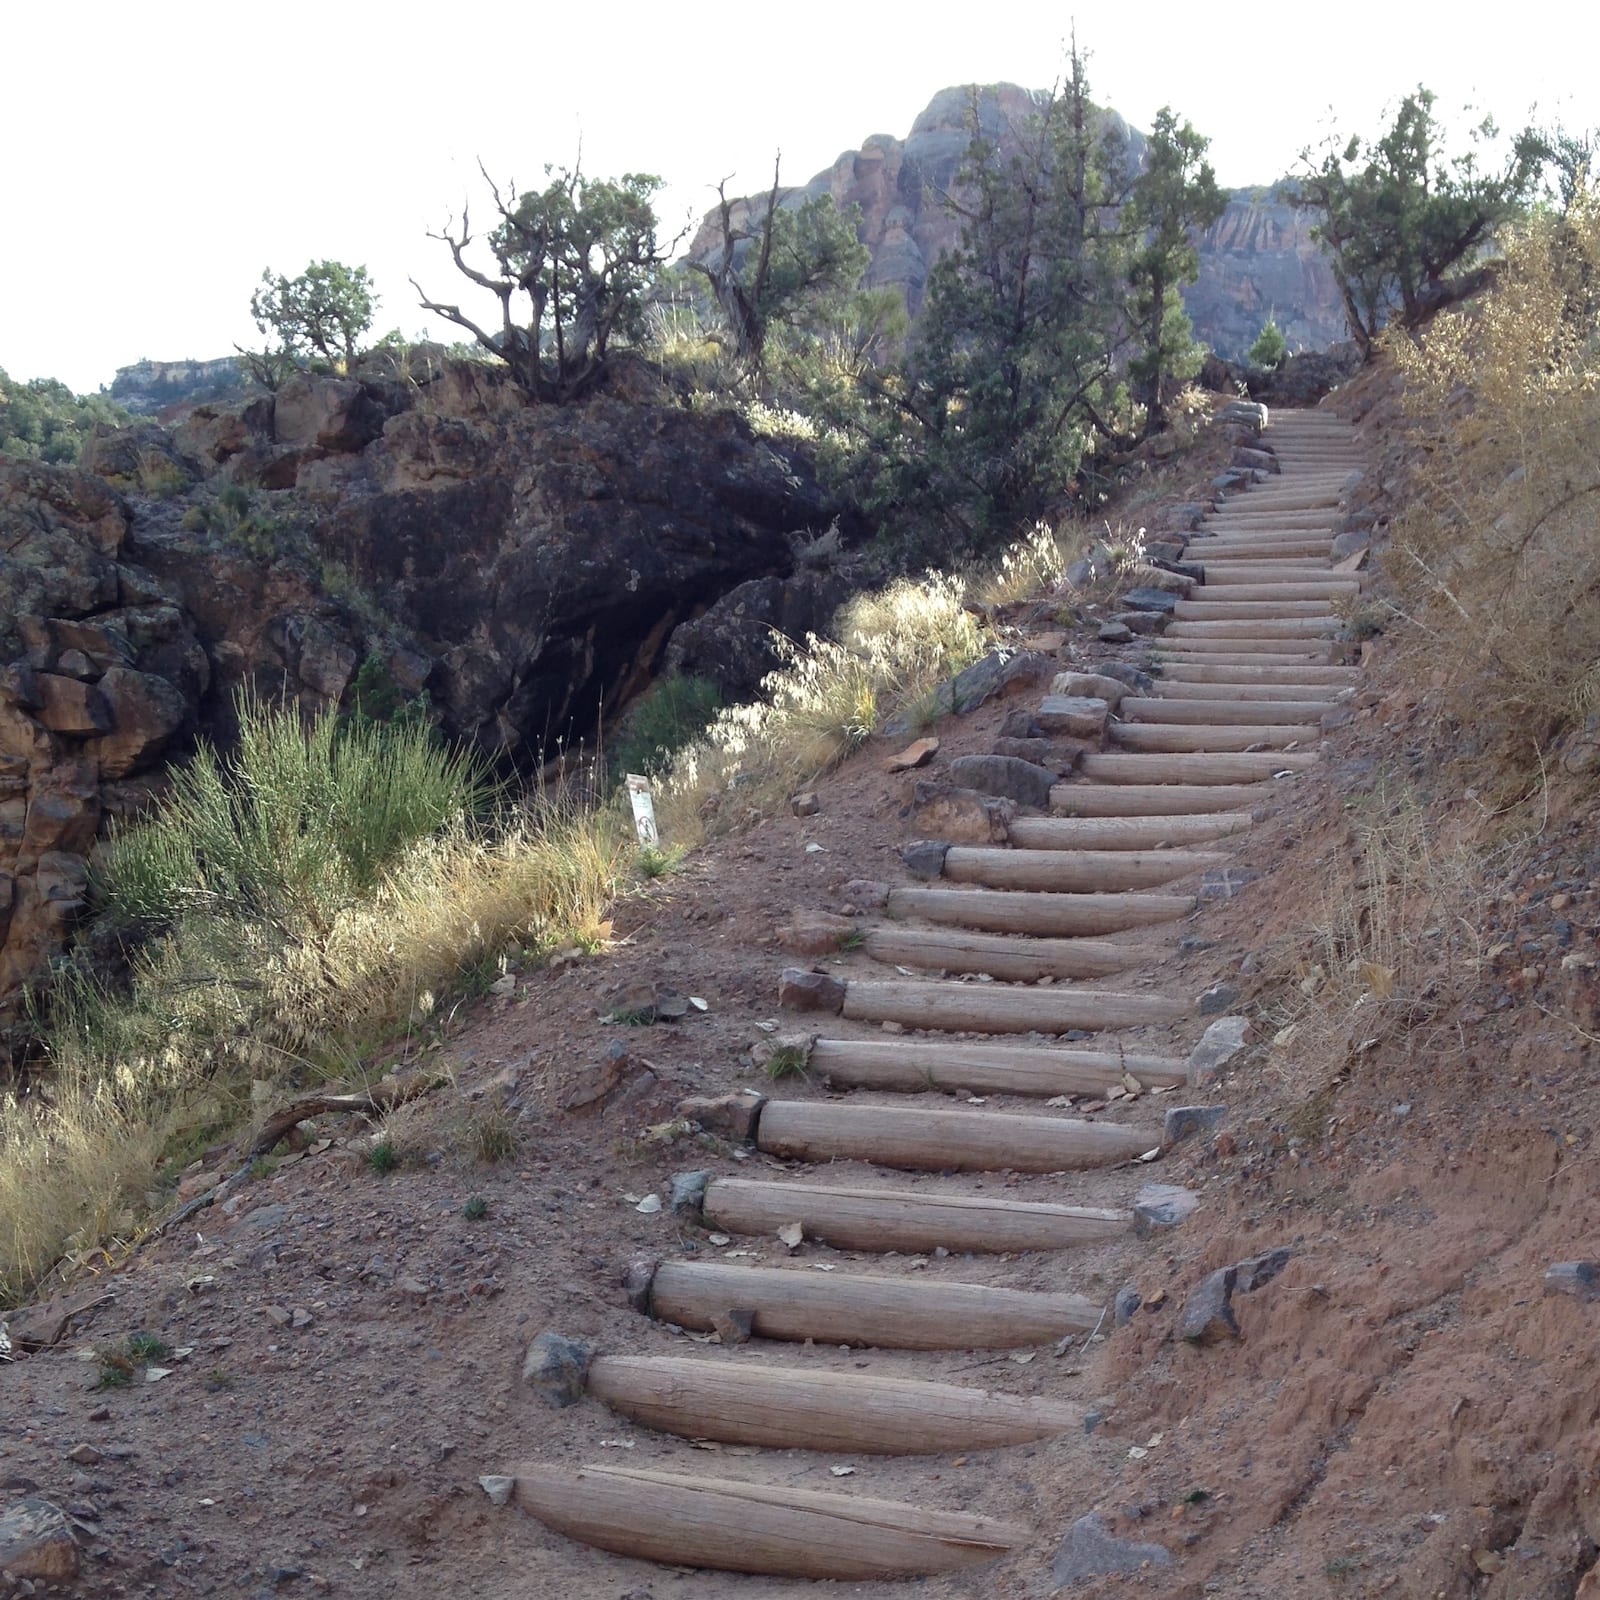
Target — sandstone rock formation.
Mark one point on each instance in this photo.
(1258, 259)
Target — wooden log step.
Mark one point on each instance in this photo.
(1277, 677)
(805, 1408)
(1220, 551)
(1264, 532)
(1223, 712)
(1124, 833)
(904, 1219)
(1242, 513)
(925, 1140)
(917, 1065)
(737, 1526)
(1006, 1008)
(1052, 915)
(857, 1308)
(1124, 800)
(1308, 589)
(1193, 767)
(1075, 871)
(1204, 644)
(1292, 569)
(1256, 658)
(1212, 610)
(1262, 695)
(1005, 956)
(1180, 736)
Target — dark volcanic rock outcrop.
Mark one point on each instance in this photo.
(525, 565)
(1258, 260)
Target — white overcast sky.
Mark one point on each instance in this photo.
(159, 155)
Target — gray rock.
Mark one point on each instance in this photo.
(1115, 633)
(1090, 686)
(730, 1116)
(688, 1193)
(1159, 1206)
(1127, 1302)
(556, 1369)
(264, 1219)
(1218, 998)
(1018, 725)
(924, 858)
(1059, 758)
(1021, 781)
(801, 990)
(963, 816)
(36, 1543)
(994, 673)
(497, 1486)
(1080, 574)
(1347, 544)
(1139, 622)
(1185, 516)
(1578, 1279)
(1207, 1315)
(805, 805)
(1218, 1045)
(1151, 599)
(1256, 460)
(1223, 883)
(1091, 1550)
(1125, 672)
(1184, 1122)
(1257, 1271)
(1158, 551)
(1078, 716)
(636, 1283)
(866, 894)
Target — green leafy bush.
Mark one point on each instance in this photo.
(1271, 349)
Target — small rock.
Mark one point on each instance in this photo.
(962, 815)
(996, 672)
(1578, 1279)
(688, 1193)
(1078, 716)
(805, 805)
(733, 1327)
(916, 754)
(1218, 998)
(1059, 757)
(815, 933)
(498, 1487)
(1127, 1302)
(801, 990)
(1019, 781)
(1218, 1045)
(1183, 1122)
(1257, 1271)
(1089, 686)
(636, 1283)
(866, 893)
(1115, 633)
(556, 1369)
(1091, 1550)
(1207, 1315)
(36, 1543)
(1163, 601)
(299, 1317)
(1162, 1205)
(593, 1081)
(924, 858)
(732, 1116)
(281, 1315)
(84, 1454)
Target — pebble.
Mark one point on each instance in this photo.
(84, 1454)
(1091, 1550)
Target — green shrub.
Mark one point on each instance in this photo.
(673, 712)
(1271, 349)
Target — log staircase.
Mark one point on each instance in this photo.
(1037, 939)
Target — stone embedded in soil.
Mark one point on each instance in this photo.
(962, 815)
(1150, 598)
(1223, 883)
(1578, 1279)
(1207, 1315)
(498, 1487)
(731, 1116)
(734, 1326)
(805, 805)
(36, 1543)
(1218, 1045)
(84, 1454)
(815, 933)
(1184, 1122)
(1005, 776)
(1059, 758)
(1127, 1302)
(593, 1081)
(1259, 1270)
(916, 754)
(556, 1368)
(1090, 686)
(1091, 1550)
(688, 1192)
(1218, 998)
(636, 1282)
(801, 990)
(867, 894)
(1078, 716)
(1162, 1205)
(924, 858)
(1115, 633)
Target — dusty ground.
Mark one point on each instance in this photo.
(1407, 1414)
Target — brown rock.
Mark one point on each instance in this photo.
(1078, 716)
(332, 414)
(36, 1543)
(67, 705)
(733, 1116)
(145, 712)
(961, 816)
(815, 933)
(916, 754)
(801, 990)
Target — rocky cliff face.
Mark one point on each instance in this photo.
(1258, 260)
(525, 565)
(148, 387)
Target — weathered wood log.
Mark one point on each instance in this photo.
(1208, 657)
(1007, 911)
(896, 1219)
(1238, 514)
(744, 1527)
(1005, 1008)
(1210, 610)
(1223, 711)
(1156, 800)
(922, 1139)
(1290, 652)
(804, 1408)
(1004, 956)
(1075, 871)
(1255, 672)
(915, 1065)
(1250, 593)
(383, 1096)
(1195, 767)
(1125, 833)
(1263, 696)
(1266, 628)
(859, 1308)
(1168, 736)
(1259, 569)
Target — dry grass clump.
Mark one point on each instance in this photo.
(320, 896)
(1499, 549)
(822, 703)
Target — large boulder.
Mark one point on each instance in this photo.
(329, 414)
